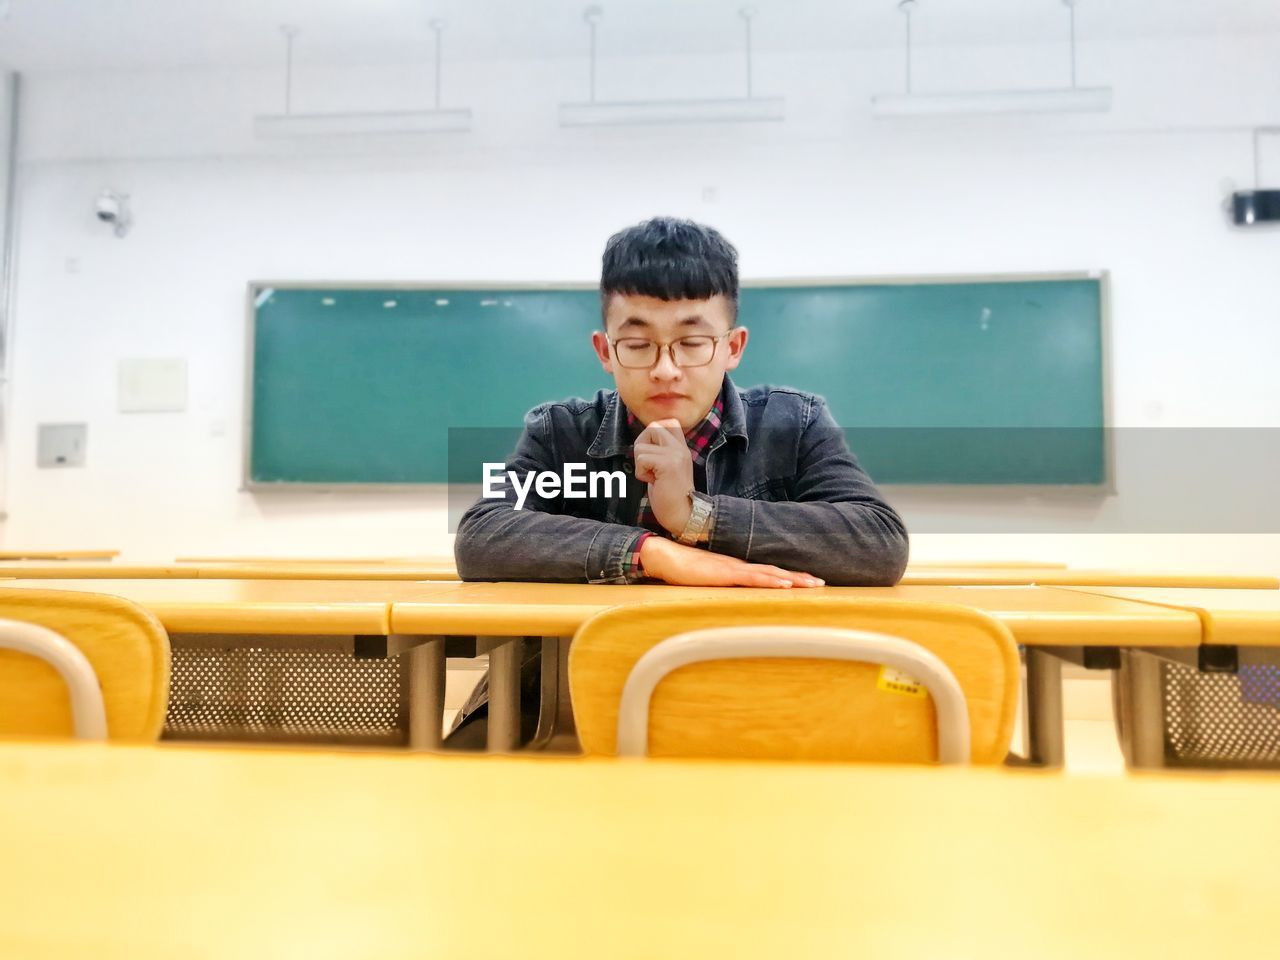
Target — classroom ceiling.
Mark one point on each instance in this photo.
(55, 35)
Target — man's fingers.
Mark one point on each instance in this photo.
(745, 574)
(658, 450)
(758, 578)
(701, 568)
(799, 579)
(666, 433)
(650, 459)
(777, 574)
(647, 467)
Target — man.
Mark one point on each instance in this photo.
(753, 488)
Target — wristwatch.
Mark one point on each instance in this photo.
(695, 531)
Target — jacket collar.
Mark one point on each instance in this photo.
(613, 439)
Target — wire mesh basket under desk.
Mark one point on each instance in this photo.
(310, 695)
(1222, 719)
(1206, 719)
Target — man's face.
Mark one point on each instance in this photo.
(663, 390)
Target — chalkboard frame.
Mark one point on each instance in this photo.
(985, 491)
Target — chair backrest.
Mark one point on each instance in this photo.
(125, 645)
(802, 707)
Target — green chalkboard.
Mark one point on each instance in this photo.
(982, 382)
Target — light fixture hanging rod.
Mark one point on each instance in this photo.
(907, 6)
(438, 27)
(1071, 6)
(290, 32)
(746, 13)
(592, 15)
(595, 112)
(293, 126)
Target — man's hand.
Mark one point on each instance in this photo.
(665, 463)
(688, 566)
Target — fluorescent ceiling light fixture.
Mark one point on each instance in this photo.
(1070, 100)
(601, 113)
(288, 125)
(604, 113)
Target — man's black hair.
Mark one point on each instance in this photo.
(670, 259)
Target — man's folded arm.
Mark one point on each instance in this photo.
(838, 527)
(496, 541)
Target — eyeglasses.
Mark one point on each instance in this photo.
(635, 353)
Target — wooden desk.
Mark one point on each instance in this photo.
(443, 568)
(438, 561)
(310, 614)
(420, 615)
(1239, 628)
(447, 564)
(985, 564)
(1239, 618)
(249, 606)
(965, 574)
(1037, 616)
(291, 570)
(1050, 623)
(186, 605)
(58, 554)
(1052, 576)
(226, 853)
(77, 570)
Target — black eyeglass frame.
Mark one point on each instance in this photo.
(670, 346)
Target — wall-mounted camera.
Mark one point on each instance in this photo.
(1257, 206)
(113, 208)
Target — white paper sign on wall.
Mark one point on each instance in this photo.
(152, 385)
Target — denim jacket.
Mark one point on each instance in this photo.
(786, 490)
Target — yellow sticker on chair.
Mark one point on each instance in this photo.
(891, 681)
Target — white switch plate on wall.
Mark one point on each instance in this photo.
(152, 385)
(61, 444)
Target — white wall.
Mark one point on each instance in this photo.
(8, 240)
(1194, 332)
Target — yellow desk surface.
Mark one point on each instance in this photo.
(58, 554)
(315, 570)
(252, 606)
(118, 852)
(443, 569)
(985, 565)
(1057, 576)
(1244, 618)
(436, 561)
(265, 570)
(1036, 616)
(69, 570)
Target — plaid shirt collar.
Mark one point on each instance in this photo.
(700, 437)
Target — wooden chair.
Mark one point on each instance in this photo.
(692, 689)
(110, 655)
